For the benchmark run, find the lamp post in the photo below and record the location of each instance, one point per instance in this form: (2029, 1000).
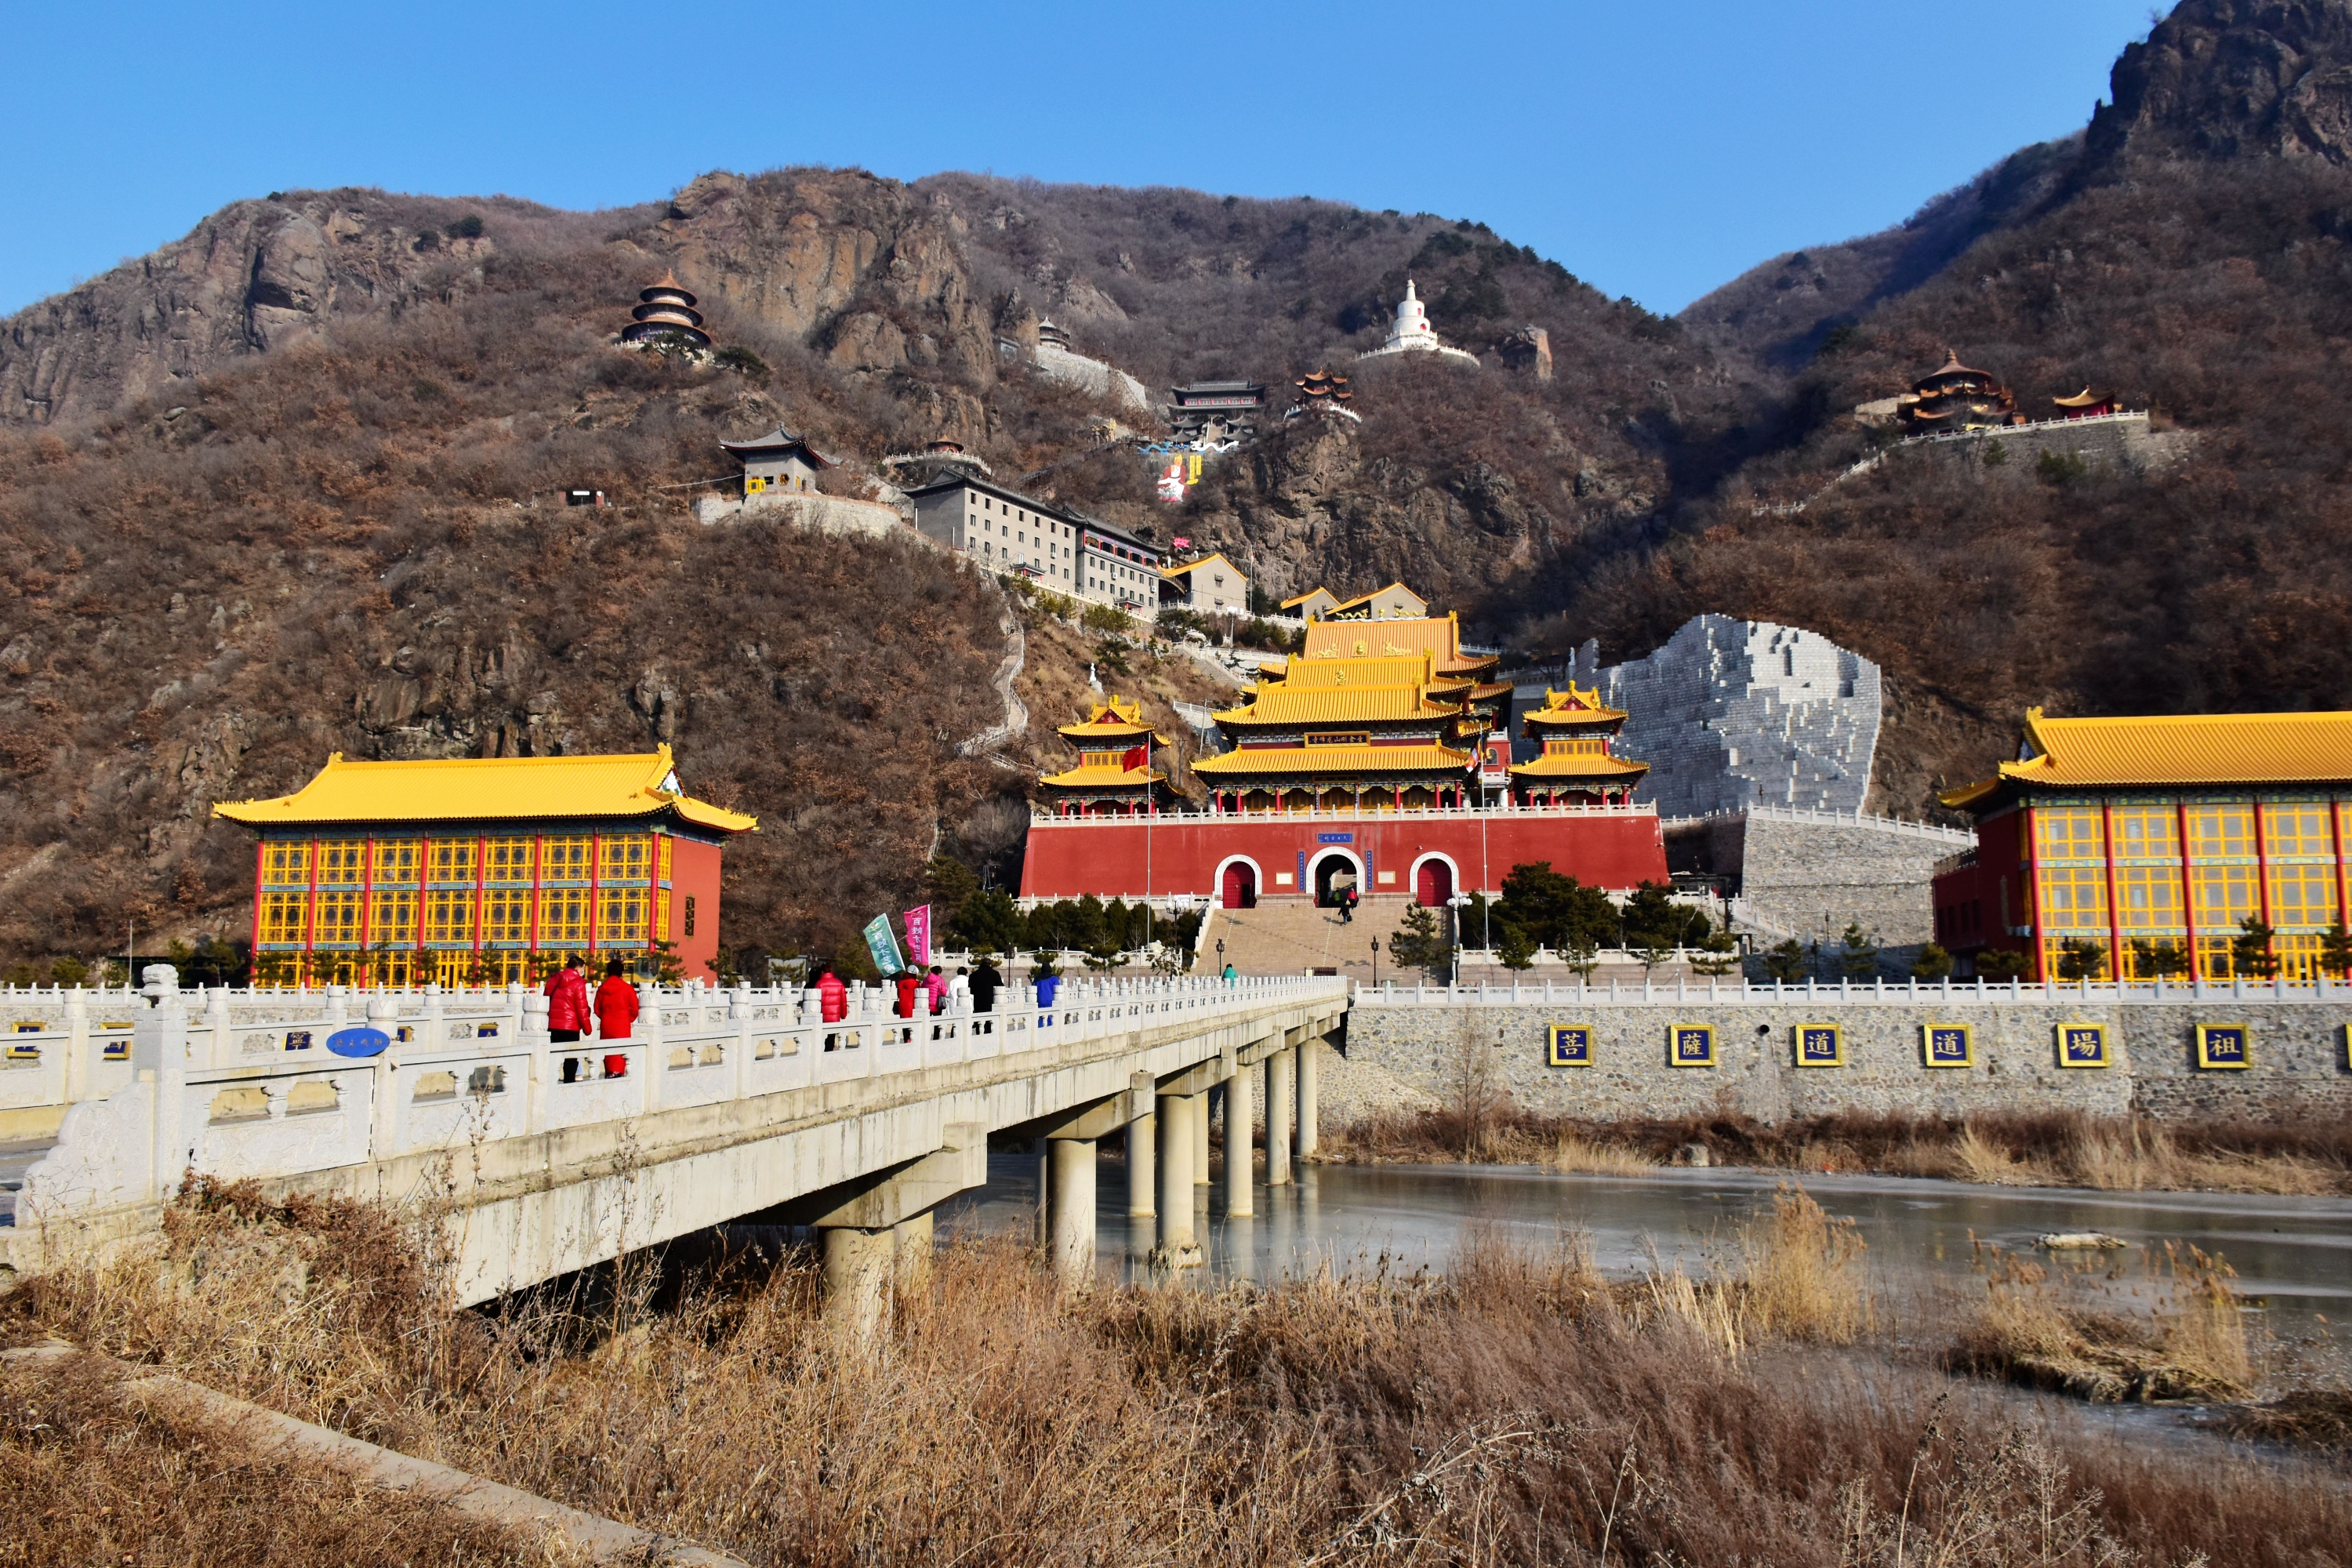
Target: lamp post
(1220, 958)
(1376, 964)
(1457, 903)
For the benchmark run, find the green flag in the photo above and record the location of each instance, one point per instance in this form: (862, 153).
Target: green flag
(882, 943)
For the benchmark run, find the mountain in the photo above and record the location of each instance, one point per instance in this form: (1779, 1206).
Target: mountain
(289, 485)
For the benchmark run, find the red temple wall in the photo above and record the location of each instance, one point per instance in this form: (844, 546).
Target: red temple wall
(1132, 857)
(694, 874)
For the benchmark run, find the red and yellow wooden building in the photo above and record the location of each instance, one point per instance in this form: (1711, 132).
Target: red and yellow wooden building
(2156, 841)
(470, 871)
(1114, 776)
(1576, 766)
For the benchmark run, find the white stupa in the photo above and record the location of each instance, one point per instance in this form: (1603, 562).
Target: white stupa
(1413, 334)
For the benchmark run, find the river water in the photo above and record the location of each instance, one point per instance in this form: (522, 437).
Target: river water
(2291, 1255)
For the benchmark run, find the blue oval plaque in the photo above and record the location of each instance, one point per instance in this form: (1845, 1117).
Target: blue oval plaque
(358, 1042)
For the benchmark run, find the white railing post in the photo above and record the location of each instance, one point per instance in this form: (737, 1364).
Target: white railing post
(385, 1130)
(159, 1056)
(540, 1114)
(656, 1047)
(76, 1084)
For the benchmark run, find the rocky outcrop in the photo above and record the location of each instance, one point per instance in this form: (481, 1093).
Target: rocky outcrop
(2229, 79)
(256, 276)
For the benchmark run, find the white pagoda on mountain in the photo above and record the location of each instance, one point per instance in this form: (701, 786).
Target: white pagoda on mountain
(1413, 334)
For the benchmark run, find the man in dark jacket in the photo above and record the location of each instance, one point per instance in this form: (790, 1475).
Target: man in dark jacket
(985, 982)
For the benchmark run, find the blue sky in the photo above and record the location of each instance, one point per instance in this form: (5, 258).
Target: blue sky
(1655, 149)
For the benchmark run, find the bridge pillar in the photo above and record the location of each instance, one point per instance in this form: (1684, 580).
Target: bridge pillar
(1140, 1154)
(1178, 1247)
(911, 1241)
(1307, 1072)
(1070, 1208)
(1201, 1139)
(858, 1267)
(1237, 1145)
(1279, 1085)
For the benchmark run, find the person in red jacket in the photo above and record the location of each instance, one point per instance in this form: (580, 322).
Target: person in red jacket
(616, 1014)
(567, 1001)
(832, 996)
(906, 993)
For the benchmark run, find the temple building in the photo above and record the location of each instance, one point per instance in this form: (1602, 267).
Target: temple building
(486, 871)
(1212, 585)
(1320, 391)
(1575, 767)
(1114, 776)
(1411, 334)
(1379, 718)
(2084, 405)
(1215, 410)
(662, 309)
(777, 462)
(2145, 847)
(1954, 397)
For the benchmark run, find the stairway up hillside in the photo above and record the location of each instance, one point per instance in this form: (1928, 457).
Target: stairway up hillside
(1293, 936)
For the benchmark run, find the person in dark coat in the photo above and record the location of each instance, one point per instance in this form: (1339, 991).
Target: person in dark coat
(985, 982)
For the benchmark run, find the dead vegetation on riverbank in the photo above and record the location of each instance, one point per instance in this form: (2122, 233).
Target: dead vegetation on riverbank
(1519, 1409)
(2057, 1150)
(2192, 1345)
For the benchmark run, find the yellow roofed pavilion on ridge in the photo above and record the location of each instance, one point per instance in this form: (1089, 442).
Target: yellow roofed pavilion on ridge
(1573, 706)
(1116, 718)
(471, 789)
(2181, 751)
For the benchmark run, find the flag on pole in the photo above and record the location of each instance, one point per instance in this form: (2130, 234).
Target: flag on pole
(882, 943)
(1135, 757)
(1179, 542)
(919, 935)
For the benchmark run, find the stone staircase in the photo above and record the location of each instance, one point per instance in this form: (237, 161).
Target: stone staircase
(1292, 936)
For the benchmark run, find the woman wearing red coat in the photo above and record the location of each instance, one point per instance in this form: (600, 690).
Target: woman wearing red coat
(616, 1014)
(567, 1001)
(832, 996)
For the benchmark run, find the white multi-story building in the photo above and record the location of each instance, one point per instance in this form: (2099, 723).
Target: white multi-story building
(1052, 546)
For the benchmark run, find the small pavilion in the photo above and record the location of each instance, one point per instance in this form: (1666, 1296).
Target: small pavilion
(1956, 397)
(777, 461)
(1575, 767)
(1114, 776)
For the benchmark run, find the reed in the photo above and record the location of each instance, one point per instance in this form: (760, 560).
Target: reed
(1514, 1409)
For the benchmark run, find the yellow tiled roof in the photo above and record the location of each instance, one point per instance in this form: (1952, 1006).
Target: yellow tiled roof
(1440, 636)
(1572, 707)
(1105, 778)
(1579, 766)
(1219, 558)
(475, 789)
(1310, 594)
(1336, 760)
(2194, 749)
(1347, 704)
(1113, 719)
(1402, 669)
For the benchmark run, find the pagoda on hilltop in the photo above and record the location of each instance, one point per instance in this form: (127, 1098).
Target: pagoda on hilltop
(1373, 716)
(1955, 397)
(1320, 391)
(2085, 405)
(1114, 776)
(1575, 767)
(665, 308)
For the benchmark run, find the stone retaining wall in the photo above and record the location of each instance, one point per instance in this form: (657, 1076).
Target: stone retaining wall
(2298, 1057)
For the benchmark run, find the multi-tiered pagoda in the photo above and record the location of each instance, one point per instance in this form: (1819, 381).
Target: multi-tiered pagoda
(1114, 776)
(1575, 767)
(1380, 716)
(1955, 397)
(1320, 391)
(665, 308)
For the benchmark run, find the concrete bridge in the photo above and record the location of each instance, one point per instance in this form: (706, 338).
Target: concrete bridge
(541, 1157)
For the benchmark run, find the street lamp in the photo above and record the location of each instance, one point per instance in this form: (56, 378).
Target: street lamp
(1376, 964)
(1457, 903)
(1220, 958)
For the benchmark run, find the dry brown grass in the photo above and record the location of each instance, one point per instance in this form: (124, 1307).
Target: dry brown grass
(91, 1474)
(1794, 1276)
(2115, 1153)
(2193, 1346)
(1593, 1157)
(1514, 1410)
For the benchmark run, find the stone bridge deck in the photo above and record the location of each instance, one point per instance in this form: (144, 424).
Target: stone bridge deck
(545, 1157)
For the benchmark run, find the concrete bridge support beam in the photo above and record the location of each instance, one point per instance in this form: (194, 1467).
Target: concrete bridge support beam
(1237, 1145)
(911, 1244)
(1141, 1151)
(857, 1269)
(1306, 1129)
(1070, 1208)
(1201, 1139)
(1279, 1085)
(1178, 1246)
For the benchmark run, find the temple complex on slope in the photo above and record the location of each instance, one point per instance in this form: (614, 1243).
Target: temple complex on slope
(1379, 756)
(1114, 776)
(1576, 767)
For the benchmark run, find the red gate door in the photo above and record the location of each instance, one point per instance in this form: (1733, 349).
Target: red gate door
(1240, 888)
(1435, 883)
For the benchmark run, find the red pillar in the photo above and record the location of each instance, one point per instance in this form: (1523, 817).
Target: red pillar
(2115, 905)
(2188, 894)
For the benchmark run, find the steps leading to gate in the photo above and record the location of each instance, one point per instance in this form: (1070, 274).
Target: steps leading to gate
(1290, 936)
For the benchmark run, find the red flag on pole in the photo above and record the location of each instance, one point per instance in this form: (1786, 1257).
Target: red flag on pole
(1135, 757)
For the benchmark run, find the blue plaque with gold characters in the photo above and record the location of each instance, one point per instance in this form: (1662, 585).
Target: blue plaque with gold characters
(1946, 1046)
(1567, 1046)
(1820, 1045)
(2083, 1045)
(1690, 1045)
(2224, 1046)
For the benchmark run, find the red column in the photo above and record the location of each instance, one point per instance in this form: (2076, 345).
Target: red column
(2115, 905)
(2031, 898)
(367, 909)
(2262, 868)
(260, 880)
(2188, 894)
